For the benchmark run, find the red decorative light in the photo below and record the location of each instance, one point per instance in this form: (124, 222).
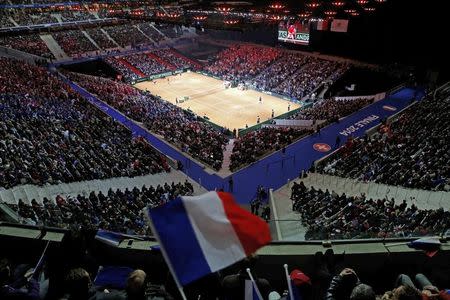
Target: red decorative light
(224, 9)
(369, 9)
(350, 11)
(355, 14)
(200, 18)
(313, 4)
(276, 18)
(305, 14)
(276, 6)
(362, 2)
(380, 1)
(330, 13)
(231, 22)
(338, 3)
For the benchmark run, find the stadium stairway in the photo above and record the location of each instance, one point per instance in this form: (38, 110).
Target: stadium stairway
(54, 47)
(13, 21)
(131, 67)
(110, 38)
(290, 224)
(91, 39)
(225, 169)
(196, 64)
(161, 61)
(159, 31)
(29, 192)
(144, 34)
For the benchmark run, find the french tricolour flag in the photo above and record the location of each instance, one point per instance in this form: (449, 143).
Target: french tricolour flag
(250, 291)
(203, 234)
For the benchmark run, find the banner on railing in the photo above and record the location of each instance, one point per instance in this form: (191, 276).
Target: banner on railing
(346, 98)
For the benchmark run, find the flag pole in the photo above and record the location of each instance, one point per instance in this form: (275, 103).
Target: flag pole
(288, 279)
(166, 257)
(39, 263)
(254, 284)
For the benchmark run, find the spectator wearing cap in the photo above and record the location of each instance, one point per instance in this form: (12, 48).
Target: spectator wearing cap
(299, 278)
(302, 283)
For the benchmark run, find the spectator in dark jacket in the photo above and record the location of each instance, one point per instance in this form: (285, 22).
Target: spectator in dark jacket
(24, 288)
(234, 285)
(346, 286)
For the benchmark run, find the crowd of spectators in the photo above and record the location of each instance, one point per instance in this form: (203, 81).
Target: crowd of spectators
(251, 146)
(85, 276)
(175, 125)
(331, 110)
(177, 60)
(289, 74)
(310, 76)
(37, 16)
(171, 31)
(328, 215)
(25, 17)
(412, 151)
(242, 62)
(118, 211)
(100, 38)
(30, 43)
(127, 35)
(149, 30)
(4, 20)
(71, 16)
(282, 69)
(147, 65)
(48, 134)
(73, 42)
(122, 69)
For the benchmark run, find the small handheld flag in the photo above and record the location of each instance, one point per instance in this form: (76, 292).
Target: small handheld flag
(430, 245)
(255, 293)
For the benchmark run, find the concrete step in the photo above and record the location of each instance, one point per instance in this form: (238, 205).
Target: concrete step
(109, 37)
(54, 47)
(29, 192)
(91, 39)
(149, 38)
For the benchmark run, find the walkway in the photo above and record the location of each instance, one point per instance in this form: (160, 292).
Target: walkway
(225, 169)
(54, 47)
(29, 192)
